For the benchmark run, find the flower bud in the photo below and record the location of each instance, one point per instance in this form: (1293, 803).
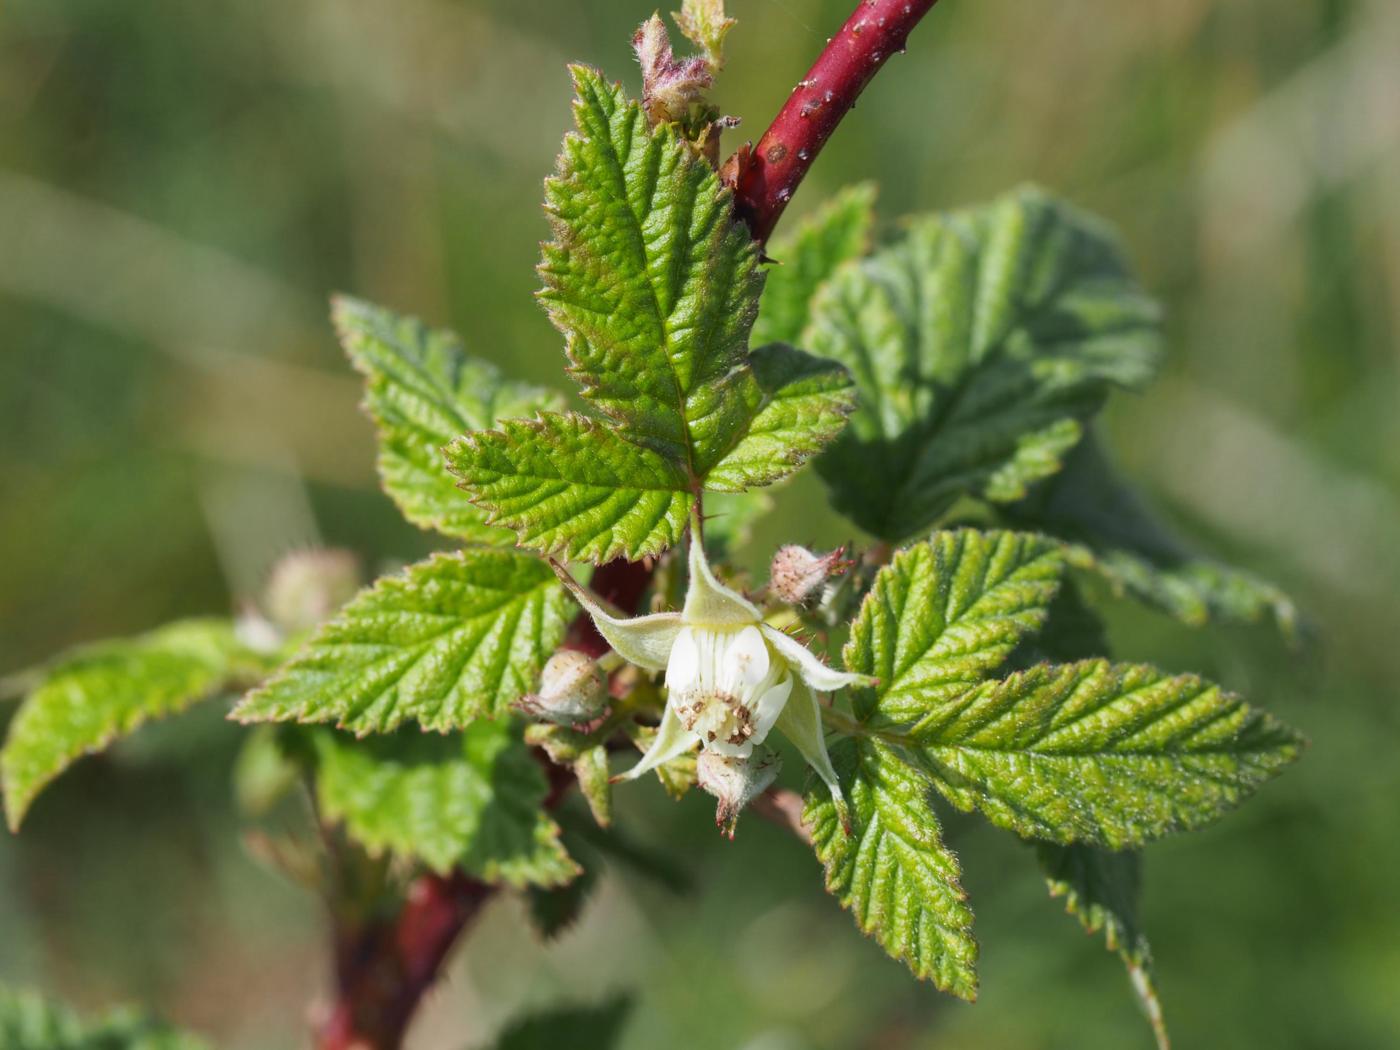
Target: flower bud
(735, 782)
(573, 689)
(306, 587)
(797, 574)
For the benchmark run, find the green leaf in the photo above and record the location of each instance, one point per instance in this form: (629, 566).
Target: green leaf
(944, 614)
(1110, 531)
(573, 487)
(423, 390)
(892, 871)
(450, 640)
(979, 343)
(652, 280)
(28, 1022)
(469, 800)
(805, 404)
(1101, 889)
(577, 1027)
(1113, 755)
(96, 694)
(835, 233)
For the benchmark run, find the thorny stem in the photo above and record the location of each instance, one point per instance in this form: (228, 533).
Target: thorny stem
(765, 178)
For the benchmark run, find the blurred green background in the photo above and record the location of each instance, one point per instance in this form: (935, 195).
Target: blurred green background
(181, 186)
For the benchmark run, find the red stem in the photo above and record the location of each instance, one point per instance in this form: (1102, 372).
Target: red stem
(765, 178)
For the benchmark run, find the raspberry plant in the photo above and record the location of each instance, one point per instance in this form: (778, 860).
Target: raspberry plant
(941, 380)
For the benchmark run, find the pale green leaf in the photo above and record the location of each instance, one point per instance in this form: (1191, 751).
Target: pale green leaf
(450, 640)
(423, 390)
(573, 487)
(469, 800)
(805, 404)
(892, 871)
(835, 233)
(1101, 888)
(1113, 755)
(94, 695)
(1110, 531)
(28, 1022)
(652, 280)
(979, 343)
(946, 613)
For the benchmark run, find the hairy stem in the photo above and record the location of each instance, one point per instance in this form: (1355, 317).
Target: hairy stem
(765, 178)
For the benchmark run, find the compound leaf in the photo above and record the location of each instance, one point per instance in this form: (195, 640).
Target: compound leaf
(1112, 755)
(423, 390)
(98, 693)
(892, 871)
(450, 640)
(945, 613)
(835, 233)
(469, 800)
(978, 343)
(652, 280)
(571, 486)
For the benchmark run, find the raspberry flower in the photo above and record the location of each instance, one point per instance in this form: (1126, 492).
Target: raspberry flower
(730, 677)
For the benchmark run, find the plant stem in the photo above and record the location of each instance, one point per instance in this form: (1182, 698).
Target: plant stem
(765, 178)
(384, 966)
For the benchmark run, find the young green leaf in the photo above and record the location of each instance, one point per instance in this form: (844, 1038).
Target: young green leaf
(28, 1022)
(469, 800)
(805, 404)
(1101, 889)
(450, 640)
(651, 279)
(979, 343)
(423, 390)
(1109, 530)
(571, 486)
(892, 871)
(946, 613)
(834, 234)
(1112, 755)
(98, 693)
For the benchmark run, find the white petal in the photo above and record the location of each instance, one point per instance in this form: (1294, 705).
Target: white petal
(815, 673)
(801, 722)
(672, 739)
(770, 706)
(745, 661)
(644, 640)
(683, 665)
(709, 602)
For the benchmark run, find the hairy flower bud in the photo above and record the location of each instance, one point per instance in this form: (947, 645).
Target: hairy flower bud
(670, 86)
(797, 574)
(735, 782)
(573, 689)
(306, 587)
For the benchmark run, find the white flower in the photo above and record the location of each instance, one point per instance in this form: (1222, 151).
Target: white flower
(730, 677)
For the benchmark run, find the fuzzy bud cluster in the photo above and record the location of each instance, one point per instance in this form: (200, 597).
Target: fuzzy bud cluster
(306, 587)
(573, 690)
(796, 574)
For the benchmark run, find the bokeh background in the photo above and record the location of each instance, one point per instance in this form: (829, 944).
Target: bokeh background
(181, 186)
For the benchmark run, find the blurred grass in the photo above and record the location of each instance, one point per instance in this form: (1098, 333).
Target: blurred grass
(182, 185)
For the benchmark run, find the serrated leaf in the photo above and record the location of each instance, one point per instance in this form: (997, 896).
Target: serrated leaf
(1112, 755)
(450, 640)
(1110, 531)
(96, 694)
(979, 343)
(423, 390)
(28, 1022)
(573, 487)
(945, 613)
(1101, 888)
(893, 872)
(805, 404)
(651, 279)
(835, 233)
(469, 800)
